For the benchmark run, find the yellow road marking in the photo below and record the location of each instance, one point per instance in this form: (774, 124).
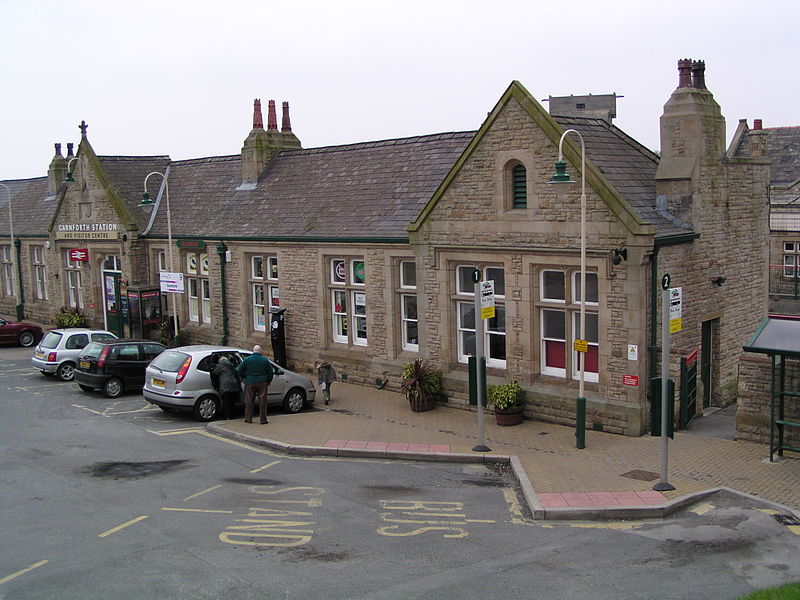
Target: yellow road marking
(769, 511)
(795, 529)
(177, 431)
(23, 571)
(123, 526)
(143, 409)
(631, 525)
(702, 509)
(211, 489)
(274, 462)
(91, 410)
(200, 510)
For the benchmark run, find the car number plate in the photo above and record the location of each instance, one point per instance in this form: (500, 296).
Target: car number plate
(84, 364)
(40, 355)
(159, 383)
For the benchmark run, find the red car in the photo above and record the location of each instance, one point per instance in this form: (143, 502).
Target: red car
(24, 334)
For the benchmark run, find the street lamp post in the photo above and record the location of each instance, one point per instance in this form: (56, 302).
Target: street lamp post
(146, 201)
(561, 176)
(12, 249)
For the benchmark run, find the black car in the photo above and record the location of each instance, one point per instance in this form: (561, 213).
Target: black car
(115, 366)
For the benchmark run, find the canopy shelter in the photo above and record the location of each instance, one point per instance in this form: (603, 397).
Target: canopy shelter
(780, 339)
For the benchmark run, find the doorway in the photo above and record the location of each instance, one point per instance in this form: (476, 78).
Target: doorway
(707, 359)
(112, 299)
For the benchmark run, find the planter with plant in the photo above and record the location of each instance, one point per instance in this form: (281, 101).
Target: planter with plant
(68, 316)
(507, 401)
(422, 384)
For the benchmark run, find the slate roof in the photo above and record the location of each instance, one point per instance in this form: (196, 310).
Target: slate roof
(363, 191)
(783, 147)
(628, 165)
(31, 207)
(127, 175)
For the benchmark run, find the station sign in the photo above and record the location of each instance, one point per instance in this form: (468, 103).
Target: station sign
(171, 283)
(78, 254)
(487, 299)
(675, 309)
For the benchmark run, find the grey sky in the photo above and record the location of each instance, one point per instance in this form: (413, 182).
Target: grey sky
(179, 77)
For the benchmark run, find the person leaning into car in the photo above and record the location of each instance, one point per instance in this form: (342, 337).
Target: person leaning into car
(226, 381)
(256, 372)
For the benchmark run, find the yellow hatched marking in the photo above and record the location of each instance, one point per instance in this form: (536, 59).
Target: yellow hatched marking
(177, 431)
(200, 510)
(123, 526)
(274, 462)
(795, 529)
(211, 489)
(769, 511)
(91, 410)
(702, 509)
(8, 578)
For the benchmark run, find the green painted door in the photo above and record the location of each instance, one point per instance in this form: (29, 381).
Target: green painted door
(112, 305)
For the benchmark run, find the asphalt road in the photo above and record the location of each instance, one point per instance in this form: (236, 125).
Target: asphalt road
(116, 499)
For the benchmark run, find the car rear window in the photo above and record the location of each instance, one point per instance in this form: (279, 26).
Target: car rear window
(51, 340)
(102, 337)
(169, 361)
(92, 350)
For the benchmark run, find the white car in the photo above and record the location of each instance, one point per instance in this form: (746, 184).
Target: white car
(57, 353)
(180, 379)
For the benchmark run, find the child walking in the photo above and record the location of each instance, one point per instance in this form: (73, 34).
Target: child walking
(326, 375)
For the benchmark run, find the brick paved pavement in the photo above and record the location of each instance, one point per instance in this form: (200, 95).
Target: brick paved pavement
(546, 453)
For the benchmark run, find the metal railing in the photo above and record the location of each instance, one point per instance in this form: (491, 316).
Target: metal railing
(784, 282)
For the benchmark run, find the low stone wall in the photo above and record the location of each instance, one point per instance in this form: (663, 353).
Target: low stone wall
(753, 411)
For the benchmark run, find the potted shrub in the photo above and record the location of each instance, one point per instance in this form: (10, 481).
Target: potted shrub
(422, 384)
(507, 401)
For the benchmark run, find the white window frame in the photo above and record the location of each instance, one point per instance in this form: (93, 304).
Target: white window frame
(74, 282)
(576, 283)
(40, 273)
(259, 309)
(404, 283)
(161, 261)
(545, 369)
(408, 322)
(791, 259)
(8, 270)
(193, 298)
(349, 323)
(463, 273)
(543, 286)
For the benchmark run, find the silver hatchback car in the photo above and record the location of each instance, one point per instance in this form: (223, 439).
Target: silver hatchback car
(58, 351)
(180, 379)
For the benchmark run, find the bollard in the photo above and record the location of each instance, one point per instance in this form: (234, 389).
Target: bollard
(580, 423)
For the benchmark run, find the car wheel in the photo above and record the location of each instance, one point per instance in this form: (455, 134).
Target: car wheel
(206, 408)
(294, 400)
(112, 387)
(26, 339)
(85, 388)
(66, 371)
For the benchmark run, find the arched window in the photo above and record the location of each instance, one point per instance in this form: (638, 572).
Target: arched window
(519, 186)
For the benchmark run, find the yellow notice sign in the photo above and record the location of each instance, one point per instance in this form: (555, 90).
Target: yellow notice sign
(581, 346)
(487, 312)
(675, 325)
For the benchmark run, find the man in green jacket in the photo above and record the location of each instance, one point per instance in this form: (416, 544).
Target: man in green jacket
(256, 372)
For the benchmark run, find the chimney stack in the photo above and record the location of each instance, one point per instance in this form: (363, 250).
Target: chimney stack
(685, 73)
(699, 75)
(286, 124)
(272, 119)
(70, 153)
(258, 120)
(56, 172)
(758, 125)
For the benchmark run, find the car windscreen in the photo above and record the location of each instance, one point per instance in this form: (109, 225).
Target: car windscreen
(92, 350)
(169, 361)
(51, 340)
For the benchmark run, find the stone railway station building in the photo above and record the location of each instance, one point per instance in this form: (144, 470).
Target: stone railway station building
(370, 249)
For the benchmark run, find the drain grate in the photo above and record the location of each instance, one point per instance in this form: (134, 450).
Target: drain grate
(641, 475)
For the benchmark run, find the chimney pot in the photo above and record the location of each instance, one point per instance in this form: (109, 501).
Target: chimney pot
(286, 124)
(258, 120)
(685, 73)
(699, 75)
(70, 151)
(58, 149)
(757, 125)
(272, 119)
